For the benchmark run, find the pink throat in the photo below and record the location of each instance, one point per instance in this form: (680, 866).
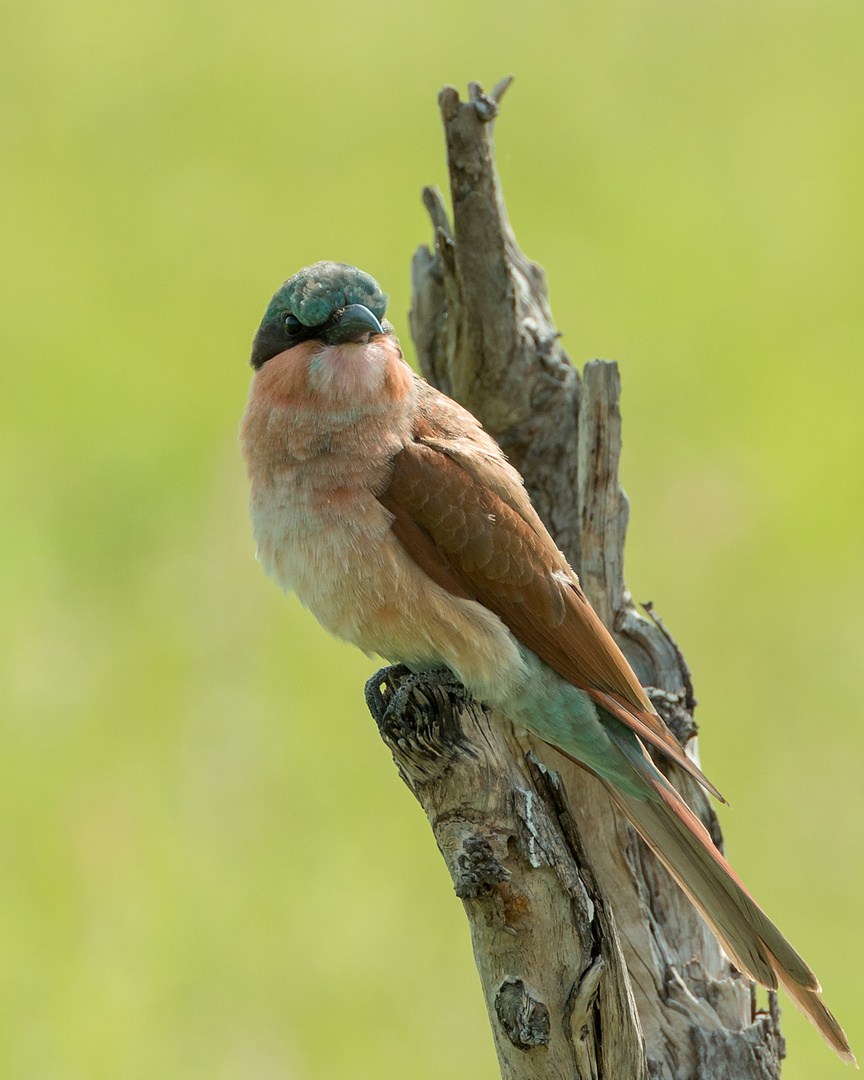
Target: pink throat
(351, 372)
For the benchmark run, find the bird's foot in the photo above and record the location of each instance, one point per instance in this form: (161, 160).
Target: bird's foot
(376, 701)
(417, 712)
(407, 691)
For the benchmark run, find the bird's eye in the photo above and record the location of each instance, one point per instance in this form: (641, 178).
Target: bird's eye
(293, 324)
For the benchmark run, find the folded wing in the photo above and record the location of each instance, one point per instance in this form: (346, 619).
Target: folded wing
(475, 542)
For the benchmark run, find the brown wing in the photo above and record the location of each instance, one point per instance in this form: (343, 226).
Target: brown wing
(444, 425)
(473, 543)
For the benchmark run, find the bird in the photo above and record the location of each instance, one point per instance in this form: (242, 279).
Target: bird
(400, 524)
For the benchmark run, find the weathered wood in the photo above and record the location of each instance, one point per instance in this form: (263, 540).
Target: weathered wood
(544, 939)
(484, 334)
(482, 325)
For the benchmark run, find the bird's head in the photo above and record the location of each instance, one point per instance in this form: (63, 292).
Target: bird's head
(330, 302)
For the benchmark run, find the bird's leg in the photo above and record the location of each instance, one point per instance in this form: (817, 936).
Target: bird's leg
(419, 711)
(375, 699)
(390, 706)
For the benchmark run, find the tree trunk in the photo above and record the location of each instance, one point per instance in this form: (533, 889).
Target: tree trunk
(560, 1000)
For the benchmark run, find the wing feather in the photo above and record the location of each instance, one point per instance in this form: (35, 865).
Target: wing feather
(475, 543)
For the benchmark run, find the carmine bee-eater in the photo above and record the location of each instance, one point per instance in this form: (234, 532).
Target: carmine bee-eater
(400, 524)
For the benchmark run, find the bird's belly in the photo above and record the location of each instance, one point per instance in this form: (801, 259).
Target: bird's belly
(335, 549)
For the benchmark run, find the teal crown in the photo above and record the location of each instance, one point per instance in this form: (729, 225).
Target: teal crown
(314, 293)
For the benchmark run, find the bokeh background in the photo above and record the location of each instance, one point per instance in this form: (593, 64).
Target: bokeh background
(208, 867)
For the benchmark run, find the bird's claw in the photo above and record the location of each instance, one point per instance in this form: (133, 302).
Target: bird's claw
(403, 684)
(419, 715)
(375, 700)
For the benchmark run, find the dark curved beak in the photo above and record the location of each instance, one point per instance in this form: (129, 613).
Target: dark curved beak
(355, 323)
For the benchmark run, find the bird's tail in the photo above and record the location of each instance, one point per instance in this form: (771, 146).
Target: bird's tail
(754, 944)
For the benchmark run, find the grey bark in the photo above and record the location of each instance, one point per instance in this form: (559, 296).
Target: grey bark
(484, 334)
(545, 943)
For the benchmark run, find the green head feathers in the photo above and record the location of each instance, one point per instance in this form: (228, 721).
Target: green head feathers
(310, 301)
(316, 292)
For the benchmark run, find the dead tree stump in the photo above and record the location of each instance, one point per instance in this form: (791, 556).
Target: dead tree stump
(593, 961)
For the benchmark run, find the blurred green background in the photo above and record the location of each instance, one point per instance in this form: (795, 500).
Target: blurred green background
(208, 866)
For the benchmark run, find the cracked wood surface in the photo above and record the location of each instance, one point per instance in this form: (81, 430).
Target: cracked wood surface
(548, 956)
